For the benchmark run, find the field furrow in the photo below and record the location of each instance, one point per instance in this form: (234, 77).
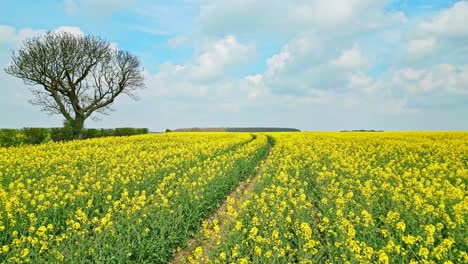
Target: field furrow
(120, 199)
(359, 198)
(238, 198)
(215, 227)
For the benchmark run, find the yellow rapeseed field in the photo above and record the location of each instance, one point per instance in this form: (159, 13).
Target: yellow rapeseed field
(391, 197)
(349, 198)
(116, 199)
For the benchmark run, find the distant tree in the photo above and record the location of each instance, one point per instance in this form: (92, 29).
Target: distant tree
(79, 75)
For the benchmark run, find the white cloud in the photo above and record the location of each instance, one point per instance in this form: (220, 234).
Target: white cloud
(319, 59)
(318, 96)
(440, 38)
(451, 22)
(204, 74)
(324, 12)
(401, 88)
(308, 63)
(289, 18)
(409, 74)
(7, 34)
(68, 29)
(336, 12)
(172, 80)
(327, 58)
(11, 36)
(253, 86)
(352, 59)
(14, 37)
(361, 83)
(296, 55)
(418, 48)
(442, 78)
(218, 56)
(278, 62)
(396, 106)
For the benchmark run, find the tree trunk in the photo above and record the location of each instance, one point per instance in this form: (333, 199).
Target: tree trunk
(77, 126)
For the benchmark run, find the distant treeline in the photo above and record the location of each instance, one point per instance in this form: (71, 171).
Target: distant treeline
(234, 129)
(362, 130)
(38, 135)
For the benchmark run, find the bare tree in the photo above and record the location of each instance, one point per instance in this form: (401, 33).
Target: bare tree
(78, 75)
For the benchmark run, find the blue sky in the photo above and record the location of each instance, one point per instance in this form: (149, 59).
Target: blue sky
(308, 64)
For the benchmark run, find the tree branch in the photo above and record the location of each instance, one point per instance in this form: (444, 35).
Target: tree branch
(79, 75)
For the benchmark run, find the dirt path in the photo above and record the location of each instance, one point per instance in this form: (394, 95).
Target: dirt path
(241, 194)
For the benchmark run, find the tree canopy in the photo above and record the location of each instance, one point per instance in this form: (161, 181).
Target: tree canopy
(76, 75)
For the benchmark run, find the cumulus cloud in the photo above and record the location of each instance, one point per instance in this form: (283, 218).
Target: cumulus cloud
(292, 17)
(172, 80)
(352, 59)
(418, 48)
(337, 12)
(329, 59)
(72, 30)
(325, 59)
(278, 62)
(396, 106)
(442, 78)
(450, 23)
(218, 56)
(253, 86)
(204, 73)
(407, 89)
(362, 83)
(12, 36)
(442, 37)
(321, 53)
(308, 63)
